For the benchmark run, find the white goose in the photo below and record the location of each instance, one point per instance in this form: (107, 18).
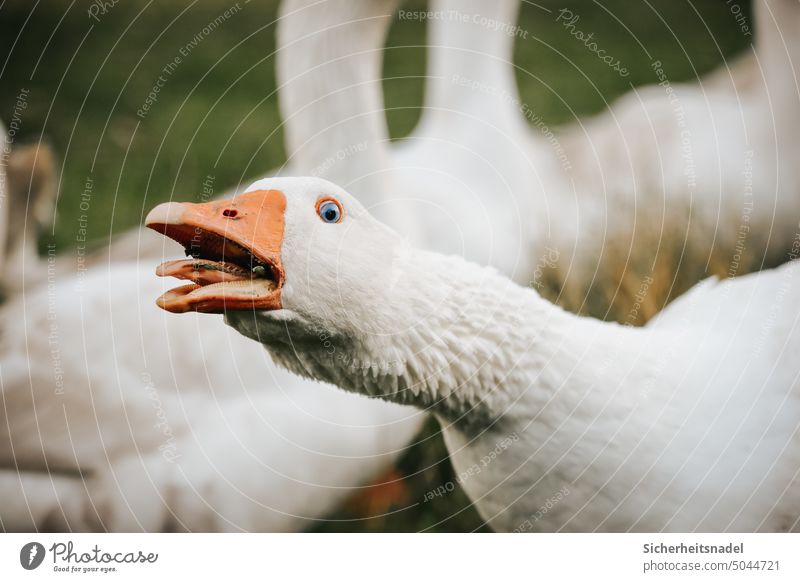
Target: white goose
(104, 427)
(501, 259)
(659, 155)
(192, 431)
(720, 157)
(553, 421)
(474, 175)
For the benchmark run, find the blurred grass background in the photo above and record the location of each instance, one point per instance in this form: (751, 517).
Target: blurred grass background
(217, 115)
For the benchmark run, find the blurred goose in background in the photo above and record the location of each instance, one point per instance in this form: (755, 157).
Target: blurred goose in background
(27, 194)
(3, 188)
(329, 74)
(473, 173)
(713, 164)
(115, 417)
(717, 157)
(4, 218)
(138, 423)
(713, 154)
(27, 197)
(687, 424)
(30, 179)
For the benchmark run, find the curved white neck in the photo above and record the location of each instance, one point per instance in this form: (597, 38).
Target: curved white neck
(470, 59)
(329, 76)
(443, 335)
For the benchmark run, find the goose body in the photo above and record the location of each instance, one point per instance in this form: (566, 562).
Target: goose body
(713, 154)
(690, 424)
(195, 431)
(552, 421)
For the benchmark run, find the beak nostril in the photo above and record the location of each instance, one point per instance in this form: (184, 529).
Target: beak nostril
(230, 213)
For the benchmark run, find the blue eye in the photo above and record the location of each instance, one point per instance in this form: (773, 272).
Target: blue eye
(329, 210)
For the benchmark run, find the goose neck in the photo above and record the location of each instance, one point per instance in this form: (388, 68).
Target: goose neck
(470, 58)
(447, 336)
(461, 341)
(329, 74)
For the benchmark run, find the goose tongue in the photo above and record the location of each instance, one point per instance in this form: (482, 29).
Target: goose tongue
(203, 272)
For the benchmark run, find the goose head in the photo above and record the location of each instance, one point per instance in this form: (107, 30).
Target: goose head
(286, 249)
(300, 266)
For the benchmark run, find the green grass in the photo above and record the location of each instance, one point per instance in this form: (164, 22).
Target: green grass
(217, 115)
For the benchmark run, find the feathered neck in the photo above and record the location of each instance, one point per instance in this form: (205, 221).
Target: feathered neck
(470, 67)
(329, 74)
(448, 336)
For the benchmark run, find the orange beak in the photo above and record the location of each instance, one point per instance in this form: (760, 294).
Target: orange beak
(235, 247)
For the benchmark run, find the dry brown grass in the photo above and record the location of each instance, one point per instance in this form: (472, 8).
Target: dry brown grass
(638, 274)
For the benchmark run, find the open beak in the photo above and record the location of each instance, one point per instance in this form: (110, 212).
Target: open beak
(235, 250)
